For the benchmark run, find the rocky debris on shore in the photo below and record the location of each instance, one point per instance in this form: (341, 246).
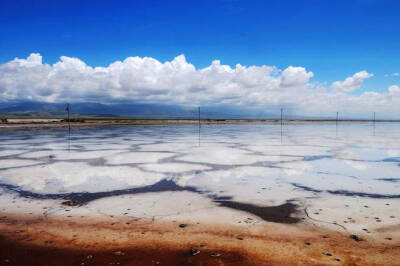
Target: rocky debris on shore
(194, 252)
(356, 238)
(69, 203)
(118, 253)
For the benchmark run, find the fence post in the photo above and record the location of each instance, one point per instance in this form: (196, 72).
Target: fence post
(69, 124)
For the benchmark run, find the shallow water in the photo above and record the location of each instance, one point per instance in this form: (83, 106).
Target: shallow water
(308, 172)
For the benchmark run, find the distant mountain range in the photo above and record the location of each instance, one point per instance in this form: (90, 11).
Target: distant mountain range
(124, 110)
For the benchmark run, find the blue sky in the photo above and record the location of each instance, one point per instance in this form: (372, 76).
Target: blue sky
(333, 39)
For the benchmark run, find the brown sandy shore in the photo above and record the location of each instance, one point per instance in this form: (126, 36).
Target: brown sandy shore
(121, 241)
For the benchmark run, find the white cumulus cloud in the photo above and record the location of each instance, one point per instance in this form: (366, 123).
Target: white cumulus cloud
(352, 83)
(147, 80)
(143, 79)
(394, 90)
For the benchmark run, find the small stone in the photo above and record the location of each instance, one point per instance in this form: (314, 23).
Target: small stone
(194, 252)
(337, 259)
(239, 237)
(308, 243)
(215, 255)
(324, 237)
(388, 238)
(182, 225)
(89, 257)
(119, 253)
(69, 203)
(327, 254)
(356, 238)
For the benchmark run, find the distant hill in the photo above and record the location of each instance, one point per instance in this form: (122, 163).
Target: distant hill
(123, 110)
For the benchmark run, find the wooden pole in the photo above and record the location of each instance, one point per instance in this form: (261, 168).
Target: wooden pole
(337, 117)
(199, 125)
(281, 116)
(199, 116)
(69, 124)
(373, 125)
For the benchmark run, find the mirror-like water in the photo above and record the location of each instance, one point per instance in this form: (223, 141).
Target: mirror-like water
(298, 172)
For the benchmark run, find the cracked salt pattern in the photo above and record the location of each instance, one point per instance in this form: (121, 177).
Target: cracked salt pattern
(136, 157)
(260, 164)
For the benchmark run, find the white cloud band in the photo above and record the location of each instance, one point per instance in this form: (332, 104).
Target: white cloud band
(178, 82)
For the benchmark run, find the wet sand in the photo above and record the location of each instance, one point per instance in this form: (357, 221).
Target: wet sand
(121, 241)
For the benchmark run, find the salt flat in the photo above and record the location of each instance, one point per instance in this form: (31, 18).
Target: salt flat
(341, 178)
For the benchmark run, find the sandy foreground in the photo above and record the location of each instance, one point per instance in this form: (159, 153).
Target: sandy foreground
(81, 240)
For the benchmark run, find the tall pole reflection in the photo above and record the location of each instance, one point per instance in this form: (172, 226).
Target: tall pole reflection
(373, 126)
(337, 120)
(69, 139)
(199, 124)
(281, 124)
(69, 128)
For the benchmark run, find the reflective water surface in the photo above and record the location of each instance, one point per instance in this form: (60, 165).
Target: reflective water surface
(340, 176)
